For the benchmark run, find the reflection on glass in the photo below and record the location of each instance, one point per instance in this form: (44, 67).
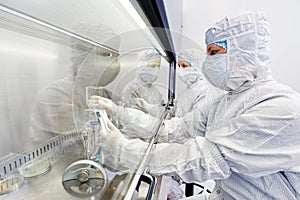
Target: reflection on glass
(148, 67)
(93, 91)
(90, 134)
(60, 106)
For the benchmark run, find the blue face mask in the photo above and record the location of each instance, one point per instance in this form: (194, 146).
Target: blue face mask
(188, 75)
(215, 70)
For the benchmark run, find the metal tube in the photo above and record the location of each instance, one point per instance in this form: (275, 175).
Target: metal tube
(134, 179)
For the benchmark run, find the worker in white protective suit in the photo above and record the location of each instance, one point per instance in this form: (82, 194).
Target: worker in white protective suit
(59, 106)
(248, 139)
(195, 91)
(143, 86)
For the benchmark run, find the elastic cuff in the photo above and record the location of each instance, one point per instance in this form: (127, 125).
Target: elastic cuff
(221, 166)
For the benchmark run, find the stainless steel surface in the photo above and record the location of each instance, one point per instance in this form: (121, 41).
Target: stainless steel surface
(48, 186)
(63, 153)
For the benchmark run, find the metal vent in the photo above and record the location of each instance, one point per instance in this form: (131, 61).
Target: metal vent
(12, 165)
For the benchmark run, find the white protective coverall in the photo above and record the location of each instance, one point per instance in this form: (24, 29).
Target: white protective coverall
(248, 139)
(143, 85)
(59, 106)
(195, 93)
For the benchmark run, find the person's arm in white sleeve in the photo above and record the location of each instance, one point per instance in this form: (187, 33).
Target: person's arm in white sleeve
(196, 160)
(127, 95)
(139, 123)
(263, 139)
(191, 125)
(153, 109)
(143, 125)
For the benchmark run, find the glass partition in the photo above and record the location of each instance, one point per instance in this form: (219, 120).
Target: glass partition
(56, 57)
(51, 56)
(44, 44)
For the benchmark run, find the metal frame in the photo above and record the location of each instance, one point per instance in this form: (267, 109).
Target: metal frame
(53, 27)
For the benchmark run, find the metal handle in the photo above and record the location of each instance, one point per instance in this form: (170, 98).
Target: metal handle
(152, 181)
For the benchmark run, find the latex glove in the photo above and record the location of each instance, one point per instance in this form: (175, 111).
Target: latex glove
(153, 109)
(103, 103)
(142, 104)
(111, 141)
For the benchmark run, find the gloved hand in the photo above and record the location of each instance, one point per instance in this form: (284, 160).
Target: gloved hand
(111, 142)
(118, 152)
(153, 109)
(142, 104)
(103, 103)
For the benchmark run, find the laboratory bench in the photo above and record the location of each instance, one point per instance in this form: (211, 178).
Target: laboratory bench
(60, 152)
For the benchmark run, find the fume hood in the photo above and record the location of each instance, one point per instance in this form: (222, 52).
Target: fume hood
(44, 45)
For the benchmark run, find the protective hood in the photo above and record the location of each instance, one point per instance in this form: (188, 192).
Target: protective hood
(192, 56)
(97, 70)
(94, 66)
(148, 56)
(248, 53)
(148, 63)
(192, 74)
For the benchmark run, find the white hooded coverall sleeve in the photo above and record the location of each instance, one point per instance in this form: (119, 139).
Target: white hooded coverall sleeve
(153, 109)
(196, 157)
(133, 122)
(195, 160)
(138, 124)
(258, 153)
